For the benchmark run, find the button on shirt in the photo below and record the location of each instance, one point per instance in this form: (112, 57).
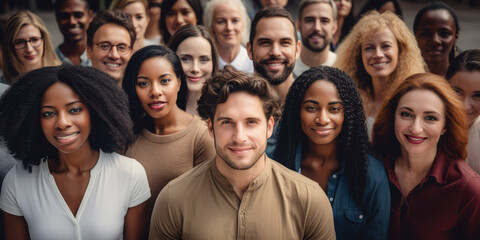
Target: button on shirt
(278, 204)
(444, 205)
(351, 221)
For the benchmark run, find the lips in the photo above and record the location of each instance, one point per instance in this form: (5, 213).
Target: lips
(240, 150)
(323, 131)
(194, 79)
(274, 65)
(157, 105)
(66, 138)
(379, 65)
(112, 65)
(30, 57)
(415, 139)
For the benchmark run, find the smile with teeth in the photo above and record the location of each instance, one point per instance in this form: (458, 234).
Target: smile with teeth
(157, 105)
(379, 64)
(415, 139)
(113, 65)
(65, 137)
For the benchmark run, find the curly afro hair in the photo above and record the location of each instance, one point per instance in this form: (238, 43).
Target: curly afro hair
(352, 142)
(111, 127)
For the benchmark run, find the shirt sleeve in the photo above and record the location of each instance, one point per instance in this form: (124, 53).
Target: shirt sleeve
(319, 222)
(140, 191)
(166, 219)
(8, 198)
(204, 146)
(469, 220)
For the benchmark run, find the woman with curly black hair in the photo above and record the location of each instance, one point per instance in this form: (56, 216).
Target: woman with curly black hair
(64, 123)
(169, 140)
(322, 134)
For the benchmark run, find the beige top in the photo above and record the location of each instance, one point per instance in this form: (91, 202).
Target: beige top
(278, 204)
(473, 150)
(166, 157)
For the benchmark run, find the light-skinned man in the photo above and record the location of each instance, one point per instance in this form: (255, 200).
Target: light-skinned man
(73, 18)
(110, 38)
(317, 23)
(241, 193)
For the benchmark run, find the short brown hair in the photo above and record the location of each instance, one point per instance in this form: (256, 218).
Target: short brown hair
(229, 80)
(455, 139)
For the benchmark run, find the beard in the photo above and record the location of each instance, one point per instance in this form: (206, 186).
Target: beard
(274, 78)
(318, 48)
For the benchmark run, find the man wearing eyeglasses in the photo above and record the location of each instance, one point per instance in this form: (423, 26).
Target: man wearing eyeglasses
(110, 38)
(73, 18)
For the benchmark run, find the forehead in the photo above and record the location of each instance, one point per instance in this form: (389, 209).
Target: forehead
(437, 17)
(382, 35)
(179, 5)
(422, 100)
(135, 7)
(112, 33)
(240, 106)
(275, 28)
(73, 6)
(59, 92)
(322, 89)
(27, 31)
(226, 9)
(195, 45)
(322, 9)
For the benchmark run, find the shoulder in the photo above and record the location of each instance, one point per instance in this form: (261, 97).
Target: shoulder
(190, 177)
(119, 163)
(376, 172)
(469, 178)
(289, 177)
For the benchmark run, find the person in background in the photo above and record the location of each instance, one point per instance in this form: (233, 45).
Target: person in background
(228, 21)
(110, 39)
(196, 49)
(70, 182)
(345, 22)
(3, 23)
(378, 53)
(381, 6)
(153, 35)
(322, 135)
(464, 76)
(169, 140)
(317, 22)
(176, 13)
(137, 11)
(27, 46)
(421, 131)
(241, 193)
(73, 18)
(436, 29)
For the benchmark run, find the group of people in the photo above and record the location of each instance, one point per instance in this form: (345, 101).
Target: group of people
(168, 120)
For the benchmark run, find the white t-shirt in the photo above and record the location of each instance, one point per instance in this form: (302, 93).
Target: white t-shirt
(241, 62)
(300, 67)
(116, 184)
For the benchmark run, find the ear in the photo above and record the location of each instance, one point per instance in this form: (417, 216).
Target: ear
(249, 50)
(299, 49)
(335, 27)
(89, 52)
(299, 25)
(90, 16)
(210, 128)
(270, 125)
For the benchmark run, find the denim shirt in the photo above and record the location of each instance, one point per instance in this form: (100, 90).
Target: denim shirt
(351, 222)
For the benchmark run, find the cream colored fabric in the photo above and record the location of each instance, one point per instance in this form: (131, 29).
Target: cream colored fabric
(473, 147)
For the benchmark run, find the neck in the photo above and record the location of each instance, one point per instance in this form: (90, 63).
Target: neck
(153, 30)
(283, 88)
(419, 164)
(70, 48)
(192, 104)
(379, 92)
(240, 179)
(82, 160)
(324, 153)
(161, 125)
(138, 44)
(229, 53)
(439, 68)
(313, 59)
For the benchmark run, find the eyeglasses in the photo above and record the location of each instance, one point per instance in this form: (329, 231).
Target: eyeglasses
(106, 47)
(22, 43)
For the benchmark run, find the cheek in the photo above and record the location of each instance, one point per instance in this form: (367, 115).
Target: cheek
(208, 68)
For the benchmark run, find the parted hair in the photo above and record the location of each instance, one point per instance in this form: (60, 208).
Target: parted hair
(139, 117)
(114, 17)
(121, 4)
(352, 142)
(13, 68)
(229, 80)
(111, 127)
(467, 61)
(270, 13)
(453, 141)
(349, 53)
(167, 6)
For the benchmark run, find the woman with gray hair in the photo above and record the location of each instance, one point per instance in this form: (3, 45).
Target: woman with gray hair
(228, 22)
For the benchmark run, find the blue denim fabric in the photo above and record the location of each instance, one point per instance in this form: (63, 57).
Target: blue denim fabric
(351, 222)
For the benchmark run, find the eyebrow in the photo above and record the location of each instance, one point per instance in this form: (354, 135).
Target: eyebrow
(315, 102)
(68, 104)
(161, 76)
(426, 112)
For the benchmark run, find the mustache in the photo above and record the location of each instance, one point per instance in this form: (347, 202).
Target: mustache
(316, 34)
(273, 58)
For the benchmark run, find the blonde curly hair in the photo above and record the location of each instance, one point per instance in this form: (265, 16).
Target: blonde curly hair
(349, 53)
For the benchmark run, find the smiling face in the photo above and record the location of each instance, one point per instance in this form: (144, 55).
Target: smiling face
(227, 25)
(157, 87)
(436, 35)
(30, 56)
(73, 19)
(273, 3)
(321, 113)
(180, 14)
(240, 131)
(195, 53)
(467, 85)
(139, 17)
(65, 119)
(380, 54)
(274, 49)
(111, 62)
(317, 26)
(419, 121)
(343, 8)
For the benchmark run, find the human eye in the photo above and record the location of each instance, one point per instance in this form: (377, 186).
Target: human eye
(459, 91)
(105, 46)
(142, 83)
(204, 59)
(236, 20)
(335, 108)
(75, 110)
(311, 108)
(368, 48)
(165, 80)
(78, 14)
(186, 12)
(386, 46)
(47, 114)
(122, 47)
(171, 13)
(264, 43)
(431, 118)
(286, 42)
(445, 34)
(252, 122)
(19, 43)
(308, 19)
(226, 122)
(185, 59)
(406, 114)
(476, 96)
(220, 21)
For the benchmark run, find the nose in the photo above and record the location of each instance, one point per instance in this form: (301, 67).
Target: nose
(63, 121)
(322, 117)
(229, 25)
(195, 68)
(239, 134)
(29, 47)
(317, 25)
(416, 126)
(180, 20)
(72, 19)
(275, 51)
(436, 38)
(378, 52)
(113, 53)
(467, 103)
(156, 90)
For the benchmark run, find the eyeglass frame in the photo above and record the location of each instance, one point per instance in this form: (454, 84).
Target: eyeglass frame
(27, 41)
(114, 45)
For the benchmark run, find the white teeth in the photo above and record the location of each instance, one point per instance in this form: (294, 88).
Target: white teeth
(274, 64)
(378, 64)
(67, 137)
(415, 139)
(112, 64)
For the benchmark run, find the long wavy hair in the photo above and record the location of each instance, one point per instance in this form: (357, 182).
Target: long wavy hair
(455, 139)
(20, 130)
(13, 68)
(352, 142)
(139, 117)
(349, 53)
